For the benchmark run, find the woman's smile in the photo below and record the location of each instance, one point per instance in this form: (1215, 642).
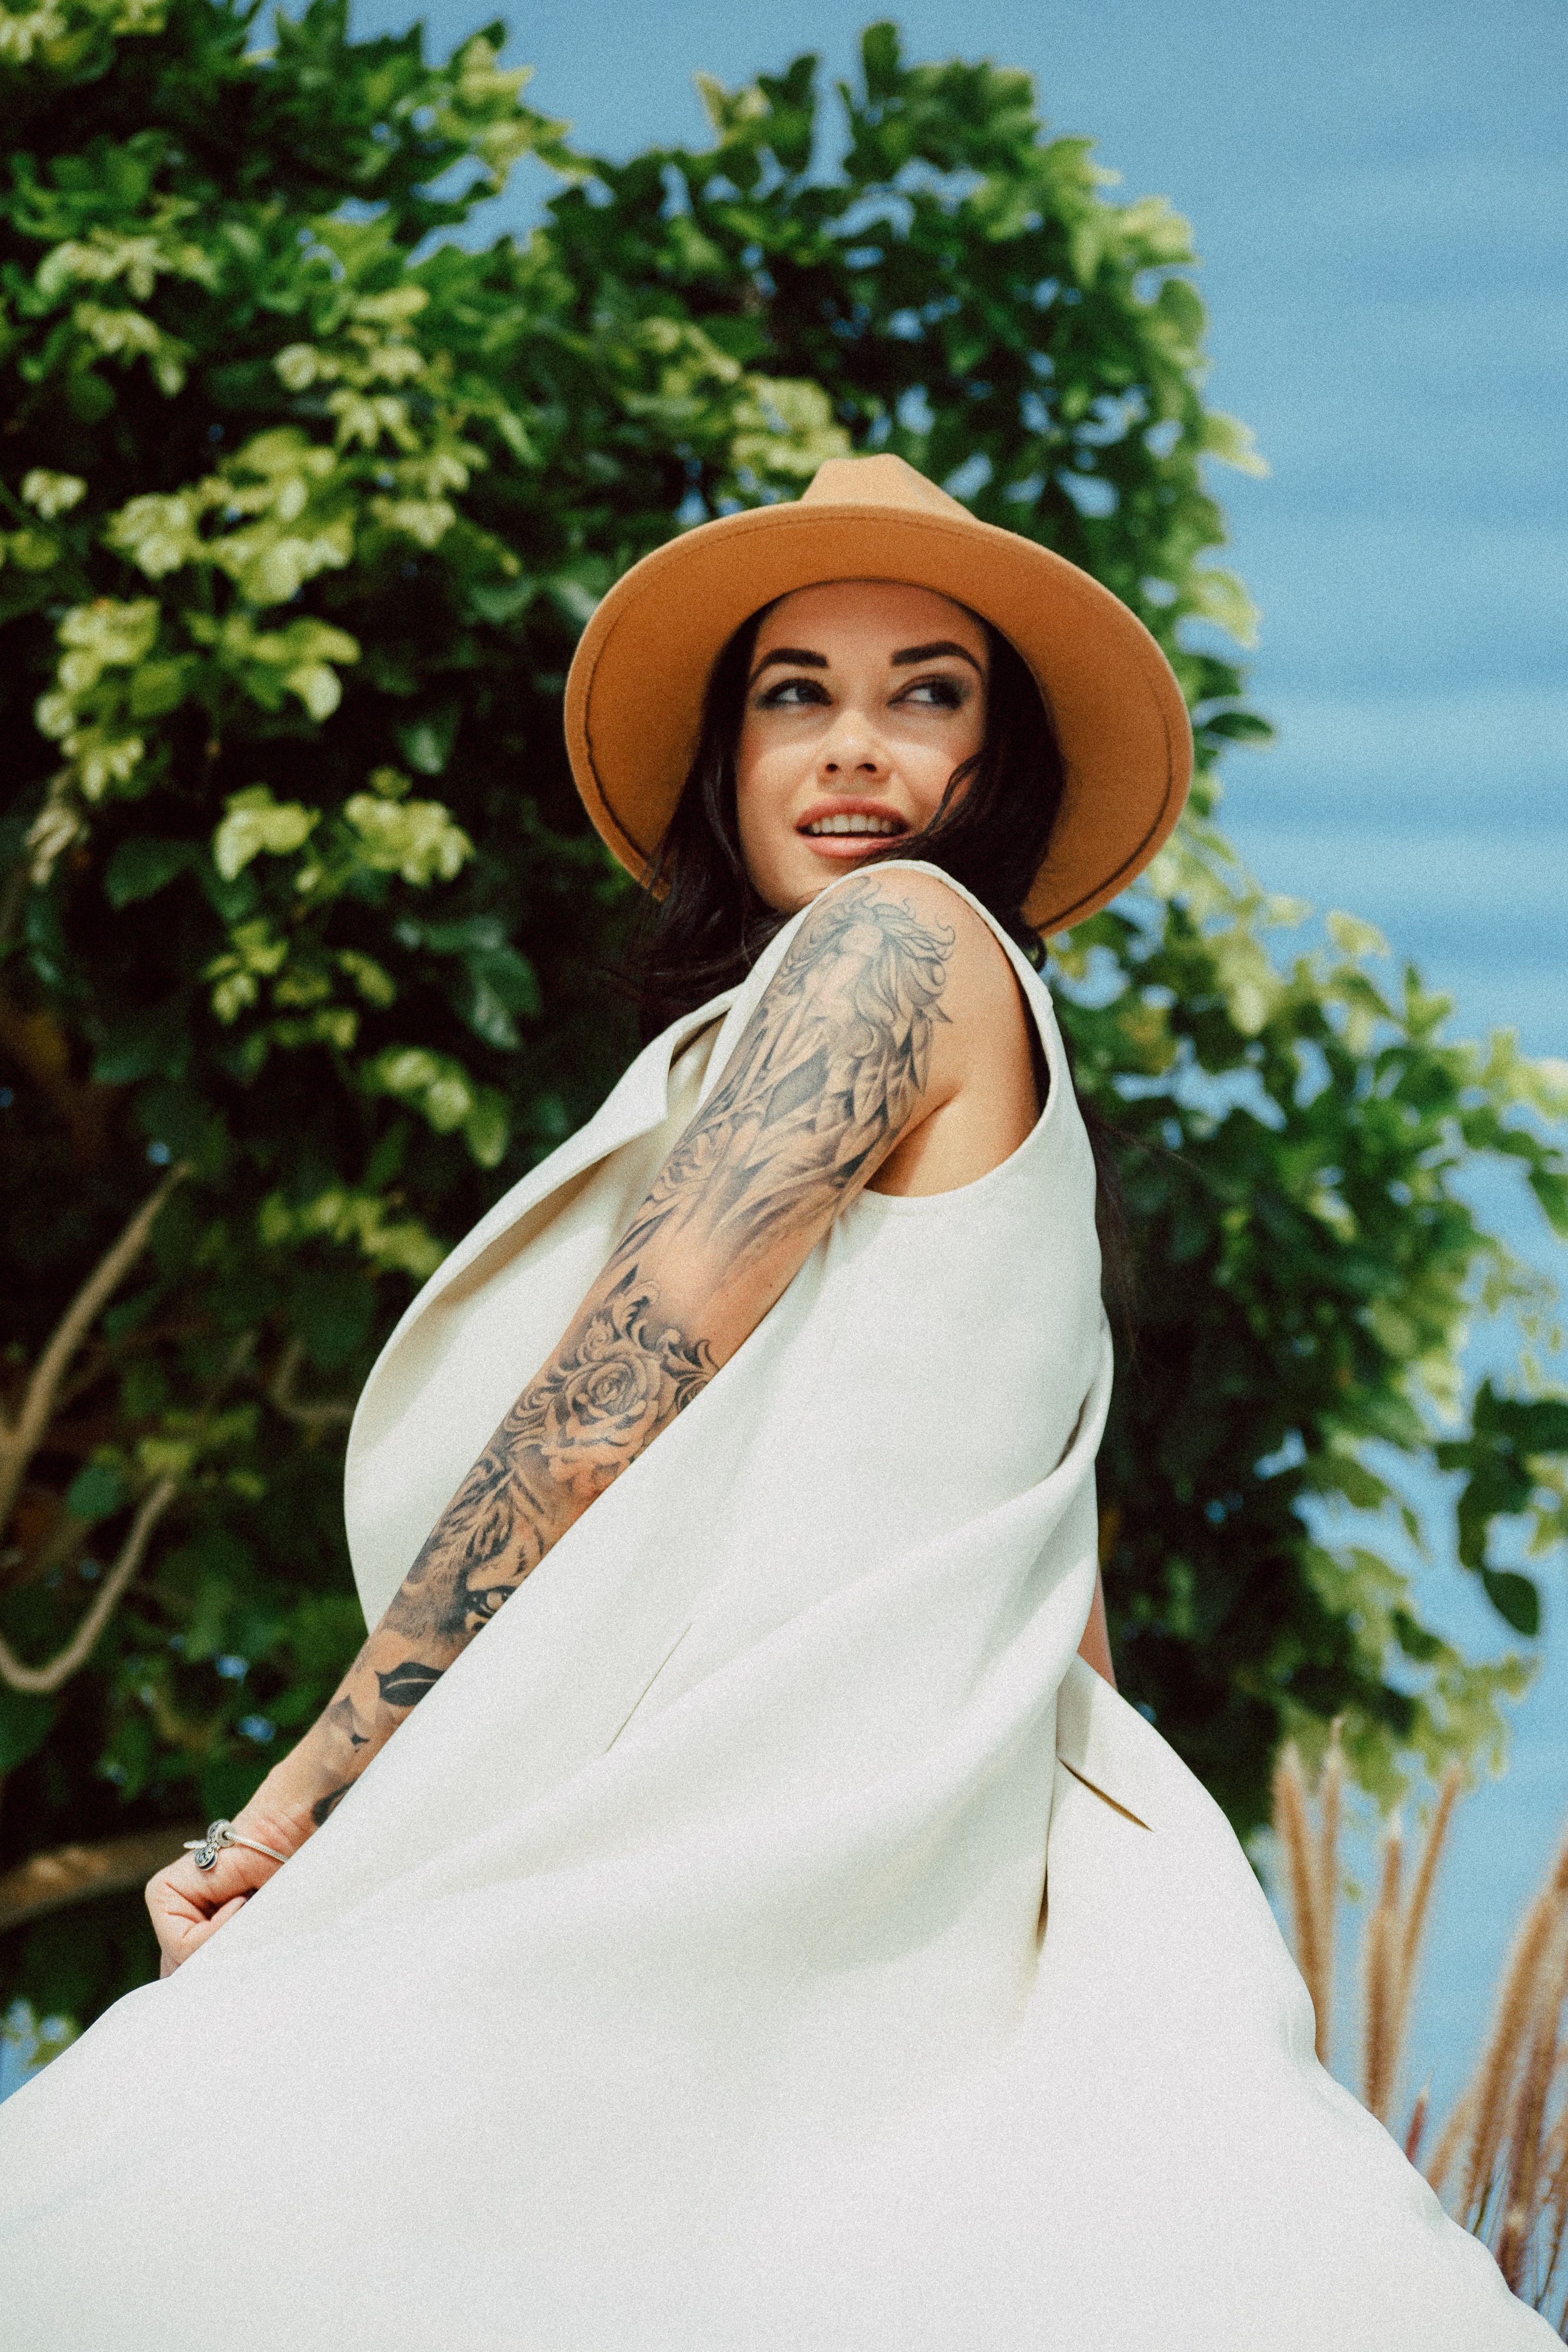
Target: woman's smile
(866, 700)
(840, 829)
(852, 821)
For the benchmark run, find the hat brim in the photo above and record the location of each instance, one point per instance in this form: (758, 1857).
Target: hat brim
(634, 697)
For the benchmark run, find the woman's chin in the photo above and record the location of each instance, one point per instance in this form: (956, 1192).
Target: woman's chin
(821, 859)
(809, 863)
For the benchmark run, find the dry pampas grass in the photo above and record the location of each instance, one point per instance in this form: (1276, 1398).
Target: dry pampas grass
(1501, 2160)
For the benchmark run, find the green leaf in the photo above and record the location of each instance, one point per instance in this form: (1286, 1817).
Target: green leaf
(158, 687)
(152, 1043)
(142, 866)
(426, 743)
(1415, 1640)
(229, 1781)
(386, 1162)
(501, 982)
(207, 1627)
(1551, 1190)
(1239, 727)
(1515, 1598)
(489, 1017)
(97, 1492)
(1353, 937)
(1529, 1425)
(1226, 438)
(501, 600)
(881, 60)
(487, 1128)
(89, 397)
(332, 1308)
(25, 1722)
(256, 823)
(1337, 1473)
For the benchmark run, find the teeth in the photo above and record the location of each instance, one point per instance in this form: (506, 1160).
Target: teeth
(854, 825)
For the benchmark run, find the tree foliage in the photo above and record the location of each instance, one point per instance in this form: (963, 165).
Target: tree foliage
(307, 953)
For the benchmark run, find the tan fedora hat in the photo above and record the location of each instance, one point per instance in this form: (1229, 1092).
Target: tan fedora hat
(633, 700)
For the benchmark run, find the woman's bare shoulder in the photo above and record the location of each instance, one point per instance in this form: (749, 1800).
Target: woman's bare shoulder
(982, 992)
(902, 932)
(899, 953)
(914, 906)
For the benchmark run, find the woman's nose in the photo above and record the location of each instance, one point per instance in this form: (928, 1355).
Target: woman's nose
(851, 749)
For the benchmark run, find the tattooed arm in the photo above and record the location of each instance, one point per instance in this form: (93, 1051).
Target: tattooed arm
(882, 1018)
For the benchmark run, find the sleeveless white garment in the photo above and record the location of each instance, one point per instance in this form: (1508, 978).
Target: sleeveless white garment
(674, 1980)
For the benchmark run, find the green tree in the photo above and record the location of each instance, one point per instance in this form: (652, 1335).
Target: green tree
(302, 516)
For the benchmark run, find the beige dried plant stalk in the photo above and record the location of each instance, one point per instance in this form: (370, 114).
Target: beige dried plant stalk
(1517, 2214)
(1495, 2080)
(1528, 2173)
(1382, 1952)
(1420, 1905)
(1416, 2130)
(1449, 2141)
(1391, 1953)
(1295, 1834)
(1507, 2135)
(1331, 1800)
(1554, 2202)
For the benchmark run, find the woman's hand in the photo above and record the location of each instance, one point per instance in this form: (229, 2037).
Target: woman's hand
(189, 1904)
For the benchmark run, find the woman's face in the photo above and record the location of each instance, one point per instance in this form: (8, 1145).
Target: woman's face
(864, 697)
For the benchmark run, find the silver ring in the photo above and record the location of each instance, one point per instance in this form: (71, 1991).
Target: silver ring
(204, 1851)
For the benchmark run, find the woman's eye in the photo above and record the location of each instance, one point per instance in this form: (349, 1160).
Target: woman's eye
(936, 693)
(792, 694)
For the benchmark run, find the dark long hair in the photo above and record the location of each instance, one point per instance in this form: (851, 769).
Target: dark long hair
(704, 927)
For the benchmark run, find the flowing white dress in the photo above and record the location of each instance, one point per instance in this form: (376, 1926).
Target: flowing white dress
(678, 1979)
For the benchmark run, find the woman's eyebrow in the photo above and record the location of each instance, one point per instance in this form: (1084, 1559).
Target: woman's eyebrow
(930, 652)
(797, 656)
(801, 658)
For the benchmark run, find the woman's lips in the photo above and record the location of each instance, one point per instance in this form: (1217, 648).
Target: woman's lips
(842, 846)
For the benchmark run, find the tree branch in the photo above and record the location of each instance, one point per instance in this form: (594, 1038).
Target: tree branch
(20, 1440)
(40, 1680)
(283, 1398)
(64, 1663)
(72, 1872)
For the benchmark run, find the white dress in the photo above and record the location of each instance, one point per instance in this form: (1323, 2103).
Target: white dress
(677, 1978)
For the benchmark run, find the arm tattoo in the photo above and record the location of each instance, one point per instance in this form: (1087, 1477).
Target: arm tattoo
(407, 1683)
(621, 1376)
(831, 1067)
(827, 1076)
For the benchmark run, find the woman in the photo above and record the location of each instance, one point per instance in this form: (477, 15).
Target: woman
(772, 1933)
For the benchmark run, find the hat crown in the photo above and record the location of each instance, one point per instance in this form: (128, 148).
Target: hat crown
(880, 481)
